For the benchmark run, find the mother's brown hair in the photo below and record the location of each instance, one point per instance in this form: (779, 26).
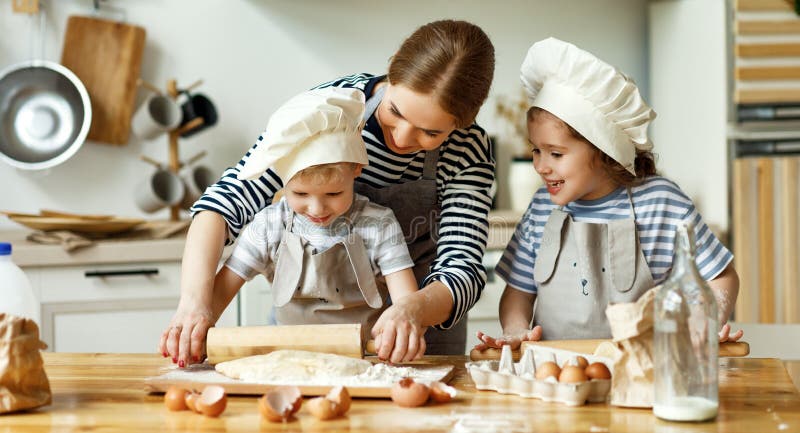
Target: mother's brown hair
(452, 60)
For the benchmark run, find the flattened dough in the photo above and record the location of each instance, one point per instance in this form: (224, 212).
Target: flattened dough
(282, 365)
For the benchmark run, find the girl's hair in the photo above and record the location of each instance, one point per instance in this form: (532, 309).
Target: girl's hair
(324, 173)
(644, 164)
(453, 61)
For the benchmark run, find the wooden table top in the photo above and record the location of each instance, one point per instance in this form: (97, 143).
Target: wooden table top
(104, 393)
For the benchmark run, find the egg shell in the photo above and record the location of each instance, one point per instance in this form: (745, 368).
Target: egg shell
(341, 397)
(280, 403)
(323, 409)
(175, 398)
(441, 392)
(547, 369)
(212, 401)
(407, 393)
(191, 401)
(597, 370)
(572, 374)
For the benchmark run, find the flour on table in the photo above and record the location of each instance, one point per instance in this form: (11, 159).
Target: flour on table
(297, 367)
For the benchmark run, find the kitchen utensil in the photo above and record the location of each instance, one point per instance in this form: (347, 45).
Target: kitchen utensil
(196, 179)
(157, 115)
(107, 56)
(160, 189)
(223, 344)
(726, 349)
(198, 106)
(38, 222)
(45, 114)
(202, 375)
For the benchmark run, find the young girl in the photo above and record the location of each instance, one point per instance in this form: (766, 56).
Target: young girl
(601, 230)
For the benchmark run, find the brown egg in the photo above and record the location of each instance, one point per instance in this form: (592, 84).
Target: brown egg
(441, 392)
(547, 369)
(407, 393)
(191, 400)
(322, 408)
(572, 374)
(280, 403)
(597, 370)
(175, 398)
(341, 397)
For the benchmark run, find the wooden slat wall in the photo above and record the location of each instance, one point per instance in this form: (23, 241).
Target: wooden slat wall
(766, 32)
(765, 191)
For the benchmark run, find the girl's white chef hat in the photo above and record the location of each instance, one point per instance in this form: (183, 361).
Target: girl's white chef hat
(589, 95)
(320, 126)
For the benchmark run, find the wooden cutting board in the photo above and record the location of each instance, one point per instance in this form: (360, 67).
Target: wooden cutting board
(727, 349)
(199, 376)
(107, 57)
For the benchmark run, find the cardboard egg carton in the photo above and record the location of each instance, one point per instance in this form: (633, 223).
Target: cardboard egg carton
(507, 377)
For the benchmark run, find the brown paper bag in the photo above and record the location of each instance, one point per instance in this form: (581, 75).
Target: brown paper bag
(23, 382)
(632, 351)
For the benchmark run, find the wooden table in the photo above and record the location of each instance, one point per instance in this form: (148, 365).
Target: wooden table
(103, 393)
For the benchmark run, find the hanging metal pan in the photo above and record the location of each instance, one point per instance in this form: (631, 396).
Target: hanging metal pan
(45, 114)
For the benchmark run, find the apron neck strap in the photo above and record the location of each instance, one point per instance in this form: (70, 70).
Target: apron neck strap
(630, 202)
(373, 102)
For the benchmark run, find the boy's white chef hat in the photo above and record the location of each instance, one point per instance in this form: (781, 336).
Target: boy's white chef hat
(319, 126)
(589, 95)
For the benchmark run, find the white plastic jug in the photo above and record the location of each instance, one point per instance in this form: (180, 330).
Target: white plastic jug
(16, 293)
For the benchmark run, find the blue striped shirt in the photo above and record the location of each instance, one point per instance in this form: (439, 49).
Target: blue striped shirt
(464, 177)
(659, 204)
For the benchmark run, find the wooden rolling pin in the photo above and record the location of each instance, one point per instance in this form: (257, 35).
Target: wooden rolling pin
(726, 349)
(224, 344)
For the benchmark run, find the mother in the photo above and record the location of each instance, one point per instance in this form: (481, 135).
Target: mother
(428, 161)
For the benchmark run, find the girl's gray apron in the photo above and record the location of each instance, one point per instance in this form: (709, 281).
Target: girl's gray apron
(583, 267)
(416, 206)
(334, 286)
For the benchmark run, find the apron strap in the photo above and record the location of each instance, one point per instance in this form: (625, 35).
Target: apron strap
(550, 246)
(285, 283)
(359, 262)
(431, 163)
(623, 250)
(373, 102)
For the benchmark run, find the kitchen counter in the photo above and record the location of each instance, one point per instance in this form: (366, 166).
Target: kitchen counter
(103, 392)
(110, 251)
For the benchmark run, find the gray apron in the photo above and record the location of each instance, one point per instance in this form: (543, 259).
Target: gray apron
(583, 267)
(416, 207)
(334, 286)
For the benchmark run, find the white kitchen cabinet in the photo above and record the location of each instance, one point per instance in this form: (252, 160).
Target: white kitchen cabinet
(110, 307)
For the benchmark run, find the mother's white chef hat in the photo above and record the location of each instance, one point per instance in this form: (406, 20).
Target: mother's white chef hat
(320, 126)
(591, 96)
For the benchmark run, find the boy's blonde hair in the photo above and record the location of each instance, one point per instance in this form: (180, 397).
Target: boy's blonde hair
(644, 164)
(324, 173)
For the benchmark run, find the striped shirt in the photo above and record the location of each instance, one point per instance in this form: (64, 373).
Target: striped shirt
(257, 249)
(464, 176)
(660, 206)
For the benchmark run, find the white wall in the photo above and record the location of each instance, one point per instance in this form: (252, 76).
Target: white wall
(252, 55)
(688, 69)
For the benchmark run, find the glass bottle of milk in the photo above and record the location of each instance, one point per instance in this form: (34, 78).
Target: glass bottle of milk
(685, 344)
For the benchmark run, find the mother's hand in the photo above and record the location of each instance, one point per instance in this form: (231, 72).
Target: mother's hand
(399, 334)
(185, 337)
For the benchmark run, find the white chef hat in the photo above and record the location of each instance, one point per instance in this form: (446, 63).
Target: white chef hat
(591, 96)
(320, 126)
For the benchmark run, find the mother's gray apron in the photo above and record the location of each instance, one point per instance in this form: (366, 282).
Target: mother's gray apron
(333, 286)
(416, 206)
(580, 269)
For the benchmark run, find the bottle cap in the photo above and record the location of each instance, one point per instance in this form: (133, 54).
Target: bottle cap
(5, 249)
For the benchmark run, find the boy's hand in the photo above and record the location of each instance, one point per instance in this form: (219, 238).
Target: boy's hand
(513, 339)
(725, 334)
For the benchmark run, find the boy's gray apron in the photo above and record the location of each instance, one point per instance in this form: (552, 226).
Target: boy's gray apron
(334, 286)
(416, 206)
(580, 269)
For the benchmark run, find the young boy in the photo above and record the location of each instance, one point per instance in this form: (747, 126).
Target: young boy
(602, 228)
(322, 246)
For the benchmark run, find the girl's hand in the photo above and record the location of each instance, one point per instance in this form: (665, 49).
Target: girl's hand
(184, 340)
(725, 335)
(513, 339)
(398, 333)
